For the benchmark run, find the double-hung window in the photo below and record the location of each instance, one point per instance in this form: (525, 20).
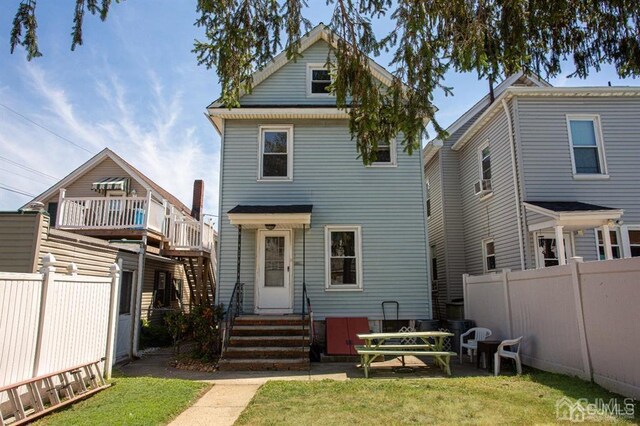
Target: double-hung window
(483, 186)
(634, 242)
(385, 154)
(276, 153)
(587, 151)
(318, 80)
(615, 244)
(489, 255)
(343, 258)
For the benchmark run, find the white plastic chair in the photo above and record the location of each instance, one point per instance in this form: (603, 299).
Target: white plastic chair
(502, 352)
(471, 345)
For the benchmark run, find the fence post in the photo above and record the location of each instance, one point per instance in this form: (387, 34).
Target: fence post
(48, 272)
(114, 271)
(465, 294)
(577, 294)
(507, 302)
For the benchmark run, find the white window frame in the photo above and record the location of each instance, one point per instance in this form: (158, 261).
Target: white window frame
(393, 156)
(427, 205)
(485, 255)
(480, 171)
(357, 229)
(626, 239)
(620, 244)
(276, 127)
(602, 158)
(314, 67)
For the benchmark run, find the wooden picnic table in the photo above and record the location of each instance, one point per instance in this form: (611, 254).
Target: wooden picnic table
(432, 344)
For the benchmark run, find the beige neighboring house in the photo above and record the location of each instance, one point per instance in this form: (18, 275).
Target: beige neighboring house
(107, 211)
(531, 179)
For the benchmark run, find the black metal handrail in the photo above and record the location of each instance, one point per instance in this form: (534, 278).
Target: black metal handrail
(233, 310)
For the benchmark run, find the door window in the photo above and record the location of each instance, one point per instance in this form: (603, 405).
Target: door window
(274, 261)
(547, 250)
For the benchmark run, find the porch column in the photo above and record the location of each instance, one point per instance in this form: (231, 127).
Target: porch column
(562, 259)
(606, 240)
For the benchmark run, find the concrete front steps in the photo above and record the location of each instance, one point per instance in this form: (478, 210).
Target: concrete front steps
(262, 343)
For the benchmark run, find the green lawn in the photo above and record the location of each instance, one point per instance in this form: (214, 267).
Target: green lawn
(131, 401)
(526, 399)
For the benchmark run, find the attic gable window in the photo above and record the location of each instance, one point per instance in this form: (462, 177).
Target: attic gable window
(318, 80)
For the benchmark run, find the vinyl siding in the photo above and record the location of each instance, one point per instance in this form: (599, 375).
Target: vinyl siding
(386, 202)
(81, 187)
(433, 174)
(494, 217)
(288, 85)
(547, 171)
(19, 241)
(151, 265)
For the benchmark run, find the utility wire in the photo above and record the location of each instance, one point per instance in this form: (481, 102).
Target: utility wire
(17, 191)
(46, 129)
(22, 176)
(27, 168)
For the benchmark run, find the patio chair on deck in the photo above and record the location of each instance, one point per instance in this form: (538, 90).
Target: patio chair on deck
(471, 345)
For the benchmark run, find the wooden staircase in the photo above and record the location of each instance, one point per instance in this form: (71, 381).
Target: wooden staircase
(259, 343)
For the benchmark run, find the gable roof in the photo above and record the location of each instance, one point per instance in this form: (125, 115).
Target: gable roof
(546, 92)
(143, 180)
(319, 32)
(481, 106)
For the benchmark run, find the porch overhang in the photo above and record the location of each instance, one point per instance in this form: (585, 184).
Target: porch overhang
(271, 217)
(571, 215)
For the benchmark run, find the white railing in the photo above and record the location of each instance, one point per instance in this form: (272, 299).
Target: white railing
(102, 213)
(182, 231)
(188, 233)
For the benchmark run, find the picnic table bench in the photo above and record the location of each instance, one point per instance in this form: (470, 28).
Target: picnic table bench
(432, 345)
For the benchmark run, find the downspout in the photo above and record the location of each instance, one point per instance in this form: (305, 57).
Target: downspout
(516, 187)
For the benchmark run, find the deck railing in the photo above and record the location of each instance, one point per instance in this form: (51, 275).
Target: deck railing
(143, 213)
(104, 213)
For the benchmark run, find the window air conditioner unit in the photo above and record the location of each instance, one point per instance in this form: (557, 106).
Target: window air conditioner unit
(483, 187)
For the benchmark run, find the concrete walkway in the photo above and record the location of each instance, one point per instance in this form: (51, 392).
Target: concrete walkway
(222, 405)
(233, 390)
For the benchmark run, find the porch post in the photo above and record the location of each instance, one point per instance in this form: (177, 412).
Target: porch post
(239, 250)
(606, 240)
(562, 259)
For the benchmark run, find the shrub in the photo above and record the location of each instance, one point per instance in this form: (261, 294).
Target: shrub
(154, 335)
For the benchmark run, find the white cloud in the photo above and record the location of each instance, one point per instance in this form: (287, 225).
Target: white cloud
(156, 136)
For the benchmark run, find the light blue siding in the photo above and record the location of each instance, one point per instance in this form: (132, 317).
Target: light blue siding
(386, 202)
(547, 171)
(288, 85)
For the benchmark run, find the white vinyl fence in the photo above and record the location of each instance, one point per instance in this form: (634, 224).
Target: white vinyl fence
(51, 321)
(579, 319)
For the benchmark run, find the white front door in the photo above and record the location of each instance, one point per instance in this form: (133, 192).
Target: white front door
(546, 249)
(274, 272)
(125, 313)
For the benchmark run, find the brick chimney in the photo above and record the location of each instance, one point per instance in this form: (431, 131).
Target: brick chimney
(198, 199)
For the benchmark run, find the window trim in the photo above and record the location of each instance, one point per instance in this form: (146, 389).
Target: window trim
(311, 67)
(626, 239)
(271, 127)
(481, 148)
(602, 158)
(620, 244)
(485, 241)
(427, 204)
(393, 157)
(327, 257)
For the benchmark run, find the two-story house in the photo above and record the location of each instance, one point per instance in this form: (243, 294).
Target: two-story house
(107, 200)
(532, 178)
(304, 224)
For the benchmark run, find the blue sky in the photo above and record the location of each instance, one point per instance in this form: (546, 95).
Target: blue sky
(135, 87)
